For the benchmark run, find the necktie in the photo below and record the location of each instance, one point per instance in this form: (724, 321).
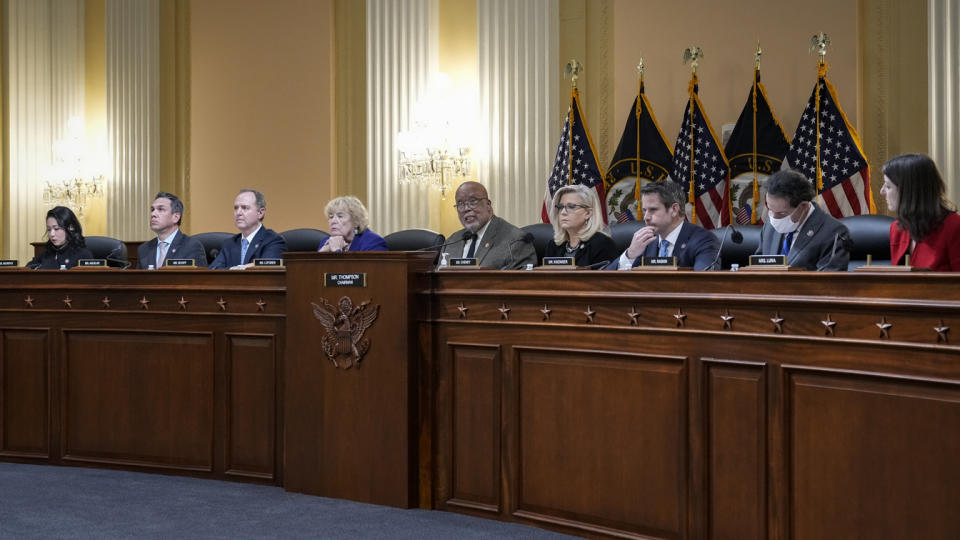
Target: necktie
(161, 254)
(473, 244)
(244, 244)
(664, 248)
(787, 242)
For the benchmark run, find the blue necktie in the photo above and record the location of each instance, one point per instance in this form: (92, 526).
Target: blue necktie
(244, 244)
(664, 246)
(787, 242)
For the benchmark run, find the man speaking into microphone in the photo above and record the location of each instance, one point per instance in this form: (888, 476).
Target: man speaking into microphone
(798, 228)
(492, 241)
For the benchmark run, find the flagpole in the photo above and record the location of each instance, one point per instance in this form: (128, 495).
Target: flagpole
(573, 69)
(693, 54)
(820, 42)
(636, 113)
(756, 181)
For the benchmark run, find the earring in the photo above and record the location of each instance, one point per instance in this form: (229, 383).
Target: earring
(356, 230)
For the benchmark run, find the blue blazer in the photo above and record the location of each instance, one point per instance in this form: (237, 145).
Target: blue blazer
(365, 241)
(266, 245)
(696, 247)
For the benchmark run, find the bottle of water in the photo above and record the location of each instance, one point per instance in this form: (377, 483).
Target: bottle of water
(150, 267)
(443, 260)
(63, 267)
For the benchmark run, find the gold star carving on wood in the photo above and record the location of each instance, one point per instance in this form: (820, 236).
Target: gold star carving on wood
(261, 305)
(144, 303)
(504, 312)
(727, 319)
(183, 303)
(884, 327)
(106, 302)
(463, 310)
(830, 326)
(222, 303)
(943, 332)
(777, 321)
(546, 312)
(28, 301)
(589, 313)
(68, 302)
(634, 316)
(681, 318)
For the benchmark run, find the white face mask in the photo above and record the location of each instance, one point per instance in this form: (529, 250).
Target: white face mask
(783, 225)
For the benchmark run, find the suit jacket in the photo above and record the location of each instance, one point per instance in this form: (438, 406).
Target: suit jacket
(597, 249)
(500, 248)
(939, 251)
(365, 241)
(52, 258)
(821, 243)
(183, 247)
(266, 245)
(696, 247)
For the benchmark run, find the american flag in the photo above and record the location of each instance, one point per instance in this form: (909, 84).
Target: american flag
(844, 179)
(576, 160)
(711, 172)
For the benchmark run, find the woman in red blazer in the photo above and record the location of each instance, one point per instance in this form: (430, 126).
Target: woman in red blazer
(927, 227)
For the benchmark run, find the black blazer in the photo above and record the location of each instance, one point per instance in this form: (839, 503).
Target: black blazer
(183, 247)
(52, 258)
(598, 248)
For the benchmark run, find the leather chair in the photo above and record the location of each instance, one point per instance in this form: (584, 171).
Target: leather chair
(111, 249)
(622, 233)
(212, 241)
(734, 253)
(869, 235)
(542, 236)
(413, 240)
(304, 239)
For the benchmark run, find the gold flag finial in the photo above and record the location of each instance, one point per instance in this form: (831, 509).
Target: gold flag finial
(573, 70)
(693, 55)
(640, 69)
(819, 42)
(756, 61)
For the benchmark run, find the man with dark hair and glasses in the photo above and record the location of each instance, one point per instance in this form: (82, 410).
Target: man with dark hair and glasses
(486, 237)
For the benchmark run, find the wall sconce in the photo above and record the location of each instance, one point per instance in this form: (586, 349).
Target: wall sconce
(76, 175)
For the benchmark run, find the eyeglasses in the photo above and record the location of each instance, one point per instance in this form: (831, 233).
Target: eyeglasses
(569, 207)
(468, 204)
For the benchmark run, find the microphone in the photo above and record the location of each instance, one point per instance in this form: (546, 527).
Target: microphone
(736, 237)
(526, 238)
(598, 265)
(833, 251)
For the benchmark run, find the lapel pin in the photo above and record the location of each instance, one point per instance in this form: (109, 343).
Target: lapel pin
(487, 245)
(683, 246)
(810, 233)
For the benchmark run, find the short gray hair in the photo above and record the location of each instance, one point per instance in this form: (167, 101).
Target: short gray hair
(353, 206)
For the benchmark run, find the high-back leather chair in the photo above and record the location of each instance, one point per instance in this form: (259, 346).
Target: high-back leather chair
(413, 240)
(622, 233)
(212, 242)
(111, 249)
(542, 236)
(869, 235)
(304, 239)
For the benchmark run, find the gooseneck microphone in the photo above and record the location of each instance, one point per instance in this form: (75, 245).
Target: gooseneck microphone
(736, 237)
(526, 238)
(833, 251)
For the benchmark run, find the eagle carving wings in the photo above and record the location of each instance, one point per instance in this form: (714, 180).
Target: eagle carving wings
(343, 329)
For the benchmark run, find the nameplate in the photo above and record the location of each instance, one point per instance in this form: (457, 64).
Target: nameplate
(268, 263)
(345, 280)
(768, 260)
(558, 261)
(659, 261)
(462, 261)
(8, 263)
(92, 262)
(179, 262)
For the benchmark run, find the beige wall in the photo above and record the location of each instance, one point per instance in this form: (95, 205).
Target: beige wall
(261, 110)
(728, 33)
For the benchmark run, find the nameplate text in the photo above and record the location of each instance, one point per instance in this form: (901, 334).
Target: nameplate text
(768, 260)
(558, 261)
(179, 262)
(92, 262)
(345, 280)
(463, 261)
(270, 263)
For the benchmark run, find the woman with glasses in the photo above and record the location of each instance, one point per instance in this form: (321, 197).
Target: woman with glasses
(347, 218)
(927, 226)
(577, 218)
(65, 242)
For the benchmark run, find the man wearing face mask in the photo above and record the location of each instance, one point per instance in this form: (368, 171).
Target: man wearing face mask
(798, 228)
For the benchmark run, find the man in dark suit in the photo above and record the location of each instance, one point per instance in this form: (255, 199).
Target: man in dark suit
(668, 233)
(166, 213)
(493, 241)
(254, 241)
(798, 228)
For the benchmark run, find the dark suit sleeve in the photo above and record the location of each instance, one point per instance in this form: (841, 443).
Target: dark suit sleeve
(193, 249)
(273, 247)
(835, 255)
(706, 248)
(143, 255)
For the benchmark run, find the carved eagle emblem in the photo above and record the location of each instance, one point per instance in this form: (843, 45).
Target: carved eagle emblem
(343, 329)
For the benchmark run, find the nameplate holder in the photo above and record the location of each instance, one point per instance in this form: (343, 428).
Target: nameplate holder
(456, 262)
(9, 263)
(92, 263)
(657, 263)
(559, 261)
(345, 280)
(768, 263)
(179, 263)
(268, 263)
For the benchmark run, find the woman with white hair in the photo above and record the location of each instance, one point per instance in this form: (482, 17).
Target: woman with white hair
(348, 221)
(577, 218)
